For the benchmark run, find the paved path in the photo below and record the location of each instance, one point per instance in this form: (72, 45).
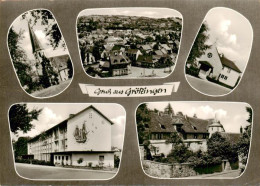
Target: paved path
(52, 90)
(50, 172)
(206, 86)
(227, 174)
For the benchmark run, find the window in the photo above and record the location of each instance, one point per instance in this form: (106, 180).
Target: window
(90, 115)
(228, 70)
(67, 158)
(162, 126)
(62, 157)
(55, 157)
(204, 136)
(59, 157)
(195, 136)
(101, 158)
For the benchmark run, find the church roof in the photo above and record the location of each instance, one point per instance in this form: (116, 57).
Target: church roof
(228, 63)
(36, 45)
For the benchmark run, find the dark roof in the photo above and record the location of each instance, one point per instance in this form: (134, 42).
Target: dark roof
(161, 123)
(60, 62)
(189, 124)
(145, 58)
(72, 116)
(132, 51)
(117, 47)
(206, 63)
(228, 63)
(231, 137)
(36, 45)
(118, 59)
(196, 125)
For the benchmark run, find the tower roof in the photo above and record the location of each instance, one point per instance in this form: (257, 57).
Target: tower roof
(36, 45)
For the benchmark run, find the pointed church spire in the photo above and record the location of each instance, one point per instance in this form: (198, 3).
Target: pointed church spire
(36, 45)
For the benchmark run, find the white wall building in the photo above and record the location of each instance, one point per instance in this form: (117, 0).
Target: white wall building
(218, 67)
(83, 139)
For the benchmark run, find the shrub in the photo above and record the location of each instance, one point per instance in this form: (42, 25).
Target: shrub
(116, 161)
(90, 164)
(22, 161)
(80, 160)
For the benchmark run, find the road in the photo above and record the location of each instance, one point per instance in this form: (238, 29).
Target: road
(50, 172)
(227, 174)
(207, 87)
(52, 90)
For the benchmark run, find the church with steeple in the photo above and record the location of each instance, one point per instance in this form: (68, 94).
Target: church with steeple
(47, 69)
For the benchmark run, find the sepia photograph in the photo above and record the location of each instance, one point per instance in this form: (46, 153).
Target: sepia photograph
(129, 42)
(220, 52)
(39, 54)
(67, 141)
(198, 140)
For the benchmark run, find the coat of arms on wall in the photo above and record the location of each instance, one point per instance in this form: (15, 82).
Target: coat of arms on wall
(81, 134)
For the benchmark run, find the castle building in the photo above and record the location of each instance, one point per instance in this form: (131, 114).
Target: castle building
(83, 139)
(58, 63)
(193, 131)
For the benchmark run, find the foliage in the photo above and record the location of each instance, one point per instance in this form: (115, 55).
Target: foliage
(80, 160)
(90, 164)
(34, 161)
(243, 144)
(49, 76)
(204, 159)
(19, 58)
(21, 118)
(169, 109)
(142, 117)
(199, 47)
(219, 146)
(20, 146)
(45, 18)
(179, 154)
(174, 139)
(116, 161)
(69, 66)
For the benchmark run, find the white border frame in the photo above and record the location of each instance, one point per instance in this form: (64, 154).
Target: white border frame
(12, 59)
(193, 178)
(12, 149)
(129, 78)
(247, 59)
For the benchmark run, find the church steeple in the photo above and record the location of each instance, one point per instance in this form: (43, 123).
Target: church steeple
(36, 45)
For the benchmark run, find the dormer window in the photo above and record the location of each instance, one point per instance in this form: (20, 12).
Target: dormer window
(195, 128)
(162, 126)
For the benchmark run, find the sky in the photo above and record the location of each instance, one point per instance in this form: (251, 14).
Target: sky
(52, 114)
(231, 115)
(145, 12)
(232, 33)
(20, 24)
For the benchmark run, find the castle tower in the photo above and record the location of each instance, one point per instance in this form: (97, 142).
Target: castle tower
(215, 126)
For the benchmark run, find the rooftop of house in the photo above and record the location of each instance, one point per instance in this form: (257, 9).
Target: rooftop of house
(145, 58)
(231, 137)
(161, 122)
(64, 122)
(228, 63)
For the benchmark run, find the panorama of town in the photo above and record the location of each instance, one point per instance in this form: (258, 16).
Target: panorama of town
(128, 46)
